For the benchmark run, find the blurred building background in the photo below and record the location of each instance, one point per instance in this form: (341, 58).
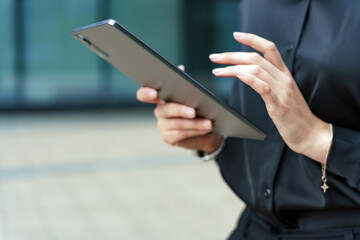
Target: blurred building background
(43, 67)
(80, 157)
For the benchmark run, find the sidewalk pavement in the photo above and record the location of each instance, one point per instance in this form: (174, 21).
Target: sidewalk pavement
(105, 175)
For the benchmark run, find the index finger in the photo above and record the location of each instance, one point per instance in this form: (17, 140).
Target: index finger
(174, 110)
(148, 95)
(266, 47)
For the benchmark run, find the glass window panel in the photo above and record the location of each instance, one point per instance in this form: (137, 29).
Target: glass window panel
(58, 69)
(7, 55)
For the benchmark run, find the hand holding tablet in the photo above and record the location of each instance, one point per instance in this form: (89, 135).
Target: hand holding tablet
(133, 57)
(178, 124)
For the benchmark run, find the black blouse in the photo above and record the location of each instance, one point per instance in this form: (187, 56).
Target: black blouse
(319, 41)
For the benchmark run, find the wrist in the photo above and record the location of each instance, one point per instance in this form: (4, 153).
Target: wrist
(213, 146)
(318, 141)
(212, 155)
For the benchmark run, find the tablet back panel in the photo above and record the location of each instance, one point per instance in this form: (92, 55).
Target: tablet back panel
(142, 64)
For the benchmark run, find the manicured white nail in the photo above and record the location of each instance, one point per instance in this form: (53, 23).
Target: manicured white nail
(207, 124)
(239, 34)
(152, 93)
(214, 56)
(190, 112)
(217, 71)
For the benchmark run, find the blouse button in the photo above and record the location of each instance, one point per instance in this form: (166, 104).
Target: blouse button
(289, 47)
(267, 193)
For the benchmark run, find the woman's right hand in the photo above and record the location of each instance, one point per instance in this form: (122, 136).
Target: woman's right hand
(178, 124)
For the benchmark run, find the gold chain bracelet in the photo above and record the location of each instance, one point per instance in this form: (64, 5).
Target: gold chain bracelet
(324, 178)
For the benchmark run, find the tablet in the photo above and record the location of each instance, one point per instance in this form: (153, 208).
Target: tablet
(138, 61)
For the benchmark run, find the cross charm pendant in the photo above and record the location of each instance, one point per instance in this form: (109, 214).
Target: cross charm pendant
(324, 187)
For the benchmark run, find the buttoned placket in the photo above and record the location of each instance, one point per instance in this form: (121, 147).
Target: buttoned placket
(266, 192)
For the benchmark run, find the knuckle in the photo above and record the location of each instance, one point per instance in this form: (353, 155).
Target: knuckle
(250, 80)
(290, 83)
(265, 90)
(255, 70)
(271, 47)
(255, 57)
(176, 124)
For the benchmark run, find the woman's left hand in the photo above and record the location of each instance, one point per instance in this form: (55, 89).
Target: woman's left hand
(268, 75)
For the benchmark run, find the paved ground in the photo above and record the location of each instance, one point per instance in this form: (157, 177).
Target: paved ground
(107, 176)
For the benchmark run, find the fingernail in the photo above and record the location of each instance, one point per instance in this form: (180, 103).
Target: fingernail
(239, 34)
(214, 56)
(190, 112)
(152, 93)
(207, 124)
(217, 71)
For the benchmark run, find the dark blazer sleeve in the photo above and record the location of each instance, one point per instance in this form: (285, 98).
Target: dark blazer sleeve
(344, 155)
